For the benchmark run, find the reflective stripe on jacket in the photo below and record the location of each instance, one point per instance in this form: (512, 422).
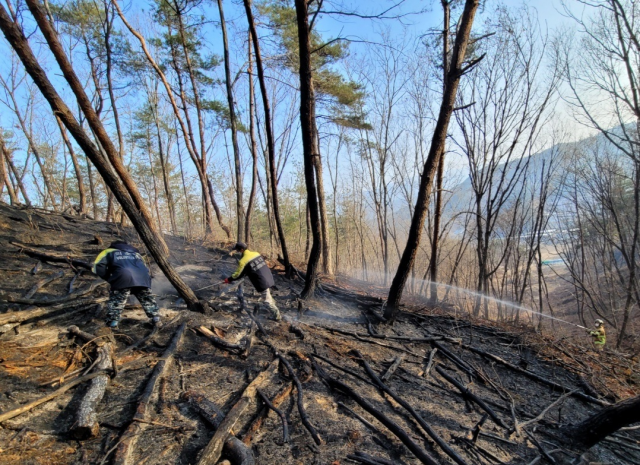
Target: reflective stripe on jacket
(599, 336)
(253, 265)
(122, 267)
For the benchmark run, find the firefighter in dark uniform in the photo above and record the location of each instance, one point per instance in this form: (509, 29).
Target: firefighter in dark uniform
(253, 265)
(122, 267)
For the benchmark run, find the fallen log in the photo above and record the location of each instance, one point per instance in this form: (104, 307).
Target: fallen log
(464, 366)
(79, 293)
(25, 408)
(86, 423)
(285, 426)
(343, 369)
(368, 339)
(218, 341)
(534, 376)
(129, 437)
(392, 368)
(384, 336)
(421, 421)
(303, 414)
(432, 355)
(301, 410)
(86, 337)
(418, 451)
(365, 422)
(264, 413)
(471, 396)
(207, 409)
(212, 452)
(233, 447)
(52, 257)
(238, 452)
(605, 422)
(41, 283)
(24, 315)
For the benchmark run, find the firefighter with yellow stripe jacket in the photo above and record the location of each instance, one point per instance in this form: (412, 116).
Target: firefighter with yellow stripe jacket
(122, 267)
(599, 335)
(253, 265)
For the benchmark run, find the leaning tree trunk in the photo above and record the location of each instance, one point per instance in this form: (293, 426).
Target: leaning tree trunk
(19, 43)
(92, 118)
(307, 123)
(240, 216)
(271, 151)
(437, 215)
(607, 421)
(431, 164)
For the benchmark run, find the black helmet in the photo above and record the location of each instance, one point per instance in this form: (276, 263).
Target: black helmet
(239, 247)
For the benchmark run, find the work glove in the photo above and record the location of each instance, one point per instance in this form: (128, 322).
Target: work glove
(226, 281)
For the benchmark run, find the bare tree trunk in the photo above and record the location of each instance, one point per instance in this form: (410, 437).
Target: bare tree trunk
(107, 26)
(199, 160)
(164, 164)
(76, 167)
(19, 43)
(307, 243)
(224, 227)
(4, 175)
(91, 116)
(431, 164)
(17, 176)
(240, 215)
(270, 140)
(327, 265)
(152, 173)
(32, 148)
(309, 143)
(254, 147)
(184, 190)
(92, 188)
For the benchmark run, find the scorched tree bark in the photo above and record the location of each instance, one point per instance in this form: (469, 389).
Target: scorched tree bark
(307, 123)
(456, 71)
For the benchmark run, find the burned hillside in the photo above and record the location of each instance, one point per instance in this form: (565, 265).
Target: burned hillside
(329, 384)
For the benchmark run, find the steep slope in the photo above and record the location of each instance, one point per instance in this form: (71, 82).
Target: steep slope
(514, 373)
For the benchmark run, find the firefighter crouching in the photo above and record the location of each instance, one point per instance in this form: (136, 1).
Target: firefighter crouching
(599, 335)
(122, 267)
(253, 265)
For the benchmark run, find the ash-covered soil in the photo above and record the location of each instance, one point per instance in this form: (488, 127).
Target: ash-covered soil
(330, 335)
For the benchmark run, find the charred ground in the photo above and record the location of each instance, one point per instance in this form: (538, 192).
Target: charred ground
(514, 372)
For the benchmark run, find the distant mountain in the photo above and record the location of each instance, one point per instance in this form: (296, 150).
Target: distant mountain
(560, 155)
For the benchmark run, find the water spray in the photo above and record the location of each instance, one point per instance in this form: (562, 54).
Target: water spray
(492, 299)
